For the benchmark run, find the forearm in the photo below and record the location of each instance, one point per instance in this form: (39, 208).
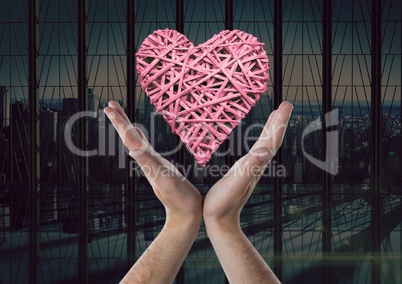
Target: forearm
(239, 259)
(163, 258)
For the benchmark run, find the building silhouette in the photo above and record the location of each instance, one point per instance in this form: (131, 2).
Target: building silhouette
(4, 108)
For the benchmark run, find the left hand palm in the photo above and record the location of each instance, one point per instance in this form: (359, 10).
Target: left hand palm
(180, 198)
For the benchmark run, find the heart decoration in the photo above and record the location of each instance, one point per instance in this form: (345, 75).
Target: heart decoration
(203, 91)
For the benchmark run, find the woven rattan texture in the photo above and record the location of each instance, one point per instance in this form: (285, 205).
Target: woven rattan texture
(203, 91)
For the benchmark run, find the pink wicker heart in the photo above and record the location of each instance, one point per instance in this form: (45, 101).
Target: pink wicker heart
(203, 91)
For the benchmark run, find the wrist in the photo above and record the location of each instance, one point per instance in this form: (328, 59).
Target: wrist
(229, 225)
(183, 224)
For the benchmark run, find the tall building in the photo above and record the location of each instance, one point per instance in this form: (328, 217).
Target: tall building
(70, 107)
(65, 169)
(4, 162)
(4, 142)
(4, 108)
(48, 140)
(19, 142)
(93, 101)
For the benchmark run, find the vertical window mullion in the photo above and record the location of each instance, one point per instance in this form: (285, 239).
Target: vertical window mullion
(130, 109)
(376, 137)
(278, 82)
(34, 140)
(326, 108)
(83, 184)
(228, 26)
(180, 154)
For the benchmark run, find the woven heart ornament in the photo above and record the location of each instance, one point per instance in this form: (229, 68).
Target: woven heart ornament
(203, 91)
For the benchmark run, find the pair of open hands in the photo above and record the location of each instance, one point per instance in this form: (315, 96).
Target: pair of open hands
(181, 199)
(224, 201)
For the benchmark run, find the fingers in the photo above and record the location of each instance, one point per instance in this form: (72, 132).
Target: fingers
(151, 163)
(279, 124)
(275, 128)
(126, 131)
(270, 119)
(251, 166)
(133, 140)
(116, 106)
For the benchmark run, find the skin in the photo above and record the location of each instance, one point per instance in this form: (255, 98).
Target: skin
(182, 201)
(225, 200)
(185, 208)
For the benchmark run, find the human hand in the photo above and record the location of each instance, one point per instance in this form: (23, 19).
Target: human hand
(182, 201)
(224, 201)
(227, 197)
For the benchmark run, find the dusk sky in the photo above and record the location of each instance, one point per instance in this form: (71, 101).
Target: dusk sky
(302, 43)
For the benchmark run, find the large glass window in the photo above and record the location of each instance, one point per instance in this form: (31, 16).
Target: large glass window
(302, 191)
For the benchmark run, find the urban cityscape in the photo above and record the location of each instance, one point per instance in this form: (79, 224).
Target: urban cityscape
(107, 170)
(76, 223)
